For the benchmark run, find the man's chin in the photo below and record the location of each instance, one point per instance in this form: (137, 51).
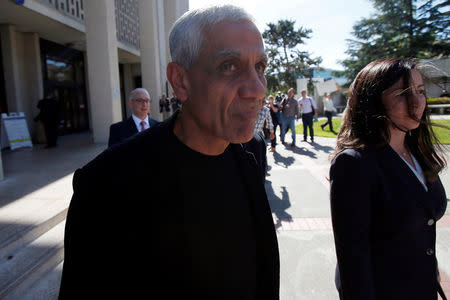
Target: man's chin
(242, 138)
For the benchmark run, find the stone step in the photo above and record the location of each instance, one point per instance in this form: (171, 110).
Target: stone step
(26, 219)
(25, 266)
(46, 288)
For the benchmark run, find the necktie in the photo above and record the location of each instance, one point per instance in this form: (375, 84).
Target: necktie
(143, 125)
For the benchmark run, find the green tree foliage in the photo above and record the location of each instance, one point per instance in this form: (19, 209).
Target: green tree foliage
(399, 28)
(286, 61)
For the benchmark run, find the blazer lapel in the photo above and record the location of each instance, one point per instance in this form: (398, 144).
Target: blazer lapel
(267, 244)
(131, 127)
(397, 167)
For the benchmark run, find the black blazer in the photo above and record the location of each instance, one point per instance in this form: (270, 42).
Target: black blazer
(126, 236)
(122, 130)
(384, 225)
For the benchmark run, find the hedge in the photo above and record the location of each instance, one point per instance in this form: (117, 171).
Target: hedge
(439, 100)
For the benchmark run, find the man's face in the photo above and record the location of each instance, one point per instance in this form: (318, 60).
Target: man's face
(291, 94)
(303, 94)
(226, 83)
(140, 105)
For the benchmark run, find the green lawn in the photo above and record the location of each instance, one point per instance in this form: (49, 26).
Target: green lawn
(442, 133)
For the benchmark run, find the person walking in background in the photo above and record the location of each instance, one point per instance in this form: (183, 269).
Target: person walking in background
(50, 117)
(264, 116)
(139, 102)
(329, 109)
(164, 106)
(187, 186)
(386, 195)
(274, 114)
(309, 111)
(290, 113)
(175, 103)
(279, 99)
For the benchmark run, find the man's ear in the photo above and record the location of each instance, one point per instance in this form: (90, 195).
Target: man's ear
(177, 77)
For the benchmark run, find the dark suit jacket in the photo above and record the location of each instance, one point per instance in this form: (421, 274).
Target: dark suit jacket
(384, 225)
(126, 229)
(257, 148)
(120, 131)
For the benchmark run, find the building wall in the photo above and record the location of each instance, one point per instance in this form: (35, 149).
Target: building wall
(437, 76)
(68, 20)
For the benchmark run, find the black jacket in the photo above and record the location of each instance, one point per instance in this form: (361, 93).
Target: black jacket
(125, 232)
(120, 131)
(384, 225)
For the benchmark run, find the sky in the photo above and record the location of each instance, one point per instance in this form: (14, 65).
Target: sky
(331, 21)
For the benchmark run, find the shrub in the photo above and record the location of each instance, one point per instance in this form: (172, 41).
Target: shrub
(439, 100)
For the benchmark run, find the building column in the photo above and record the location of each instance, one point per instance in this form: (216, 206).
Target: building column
(151, 24)
(34, 85)
(173, 9)
(103, 67)
(10, 53)
(127, 85)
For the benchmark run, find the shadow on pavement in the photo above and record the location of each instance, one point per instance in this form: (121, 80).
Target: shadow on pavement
(326, 149)
(303, 151)
(283, 161)
(278, 205)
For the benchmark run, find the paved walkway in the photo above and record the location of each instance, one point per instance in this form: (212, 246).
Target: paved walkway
(297, 188)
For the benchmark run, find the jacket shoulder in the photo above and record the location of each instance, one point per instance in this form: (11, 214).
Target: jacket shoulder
(357, 161)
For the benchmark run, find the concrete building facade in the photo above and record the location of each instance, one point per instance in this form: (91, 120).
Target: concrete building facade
(87, 54)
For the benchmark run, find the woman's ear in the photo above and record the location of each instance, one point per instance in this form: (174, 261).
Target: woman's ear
(177, 77)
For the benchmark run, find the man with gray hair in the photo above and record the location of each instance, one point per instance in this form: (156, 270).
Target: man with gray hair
(180, 210)
(139, 102)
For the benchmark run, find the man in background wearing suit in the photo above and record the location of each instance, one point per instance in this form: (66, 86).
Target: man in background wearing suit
(139, 102)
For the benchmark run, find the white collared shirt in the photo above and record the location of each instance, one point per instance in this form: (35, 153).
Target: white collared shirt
(307, 104)
(328, 105)
(138, 121)
(417, 171)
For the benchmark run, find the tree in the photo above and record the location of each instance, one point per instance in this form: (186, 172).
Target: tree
(286, 61)
(399, 28)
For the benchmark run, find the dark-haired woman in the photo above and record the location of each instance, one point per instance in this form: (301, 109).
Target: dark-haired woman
(386, 195)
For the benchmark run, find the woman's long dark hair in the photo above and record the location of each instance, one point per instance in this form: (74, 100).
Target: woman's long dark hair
(366, 123)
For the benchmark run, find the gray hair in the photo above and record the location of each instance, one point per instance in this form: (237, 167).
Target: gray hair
(131, 95)
(187, 34)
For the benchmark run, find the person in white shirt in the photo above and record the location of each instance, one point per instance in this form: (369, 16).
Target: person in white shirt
(328, 108)
(309, 111)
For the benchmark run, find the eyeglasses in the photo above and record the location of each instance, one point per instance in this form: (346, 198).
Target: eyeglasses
(142, 101)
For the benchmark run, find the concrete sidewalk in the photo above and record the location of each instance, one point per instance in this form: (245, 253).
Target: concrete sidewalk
(297, 188)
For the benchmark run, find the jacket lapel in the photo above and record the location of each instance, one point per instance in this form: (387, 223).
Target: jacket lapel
(390, 161)
(131, 127)
(267, 245)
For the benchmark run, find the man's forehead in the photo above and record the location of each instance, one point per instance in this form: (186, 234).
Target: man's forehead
(239, 53)
(227, 34)
(140, 94)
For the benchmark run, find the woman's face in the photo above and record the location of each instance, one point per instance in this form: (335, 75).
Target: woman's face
(395, 100)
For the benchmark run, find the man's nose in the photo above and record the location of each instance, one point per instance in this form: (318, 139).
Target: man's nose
(253, 85)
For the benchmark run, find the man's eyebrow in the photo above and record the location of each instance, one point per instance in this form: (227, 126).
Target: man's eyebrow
(227, 53)
(232, 53)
